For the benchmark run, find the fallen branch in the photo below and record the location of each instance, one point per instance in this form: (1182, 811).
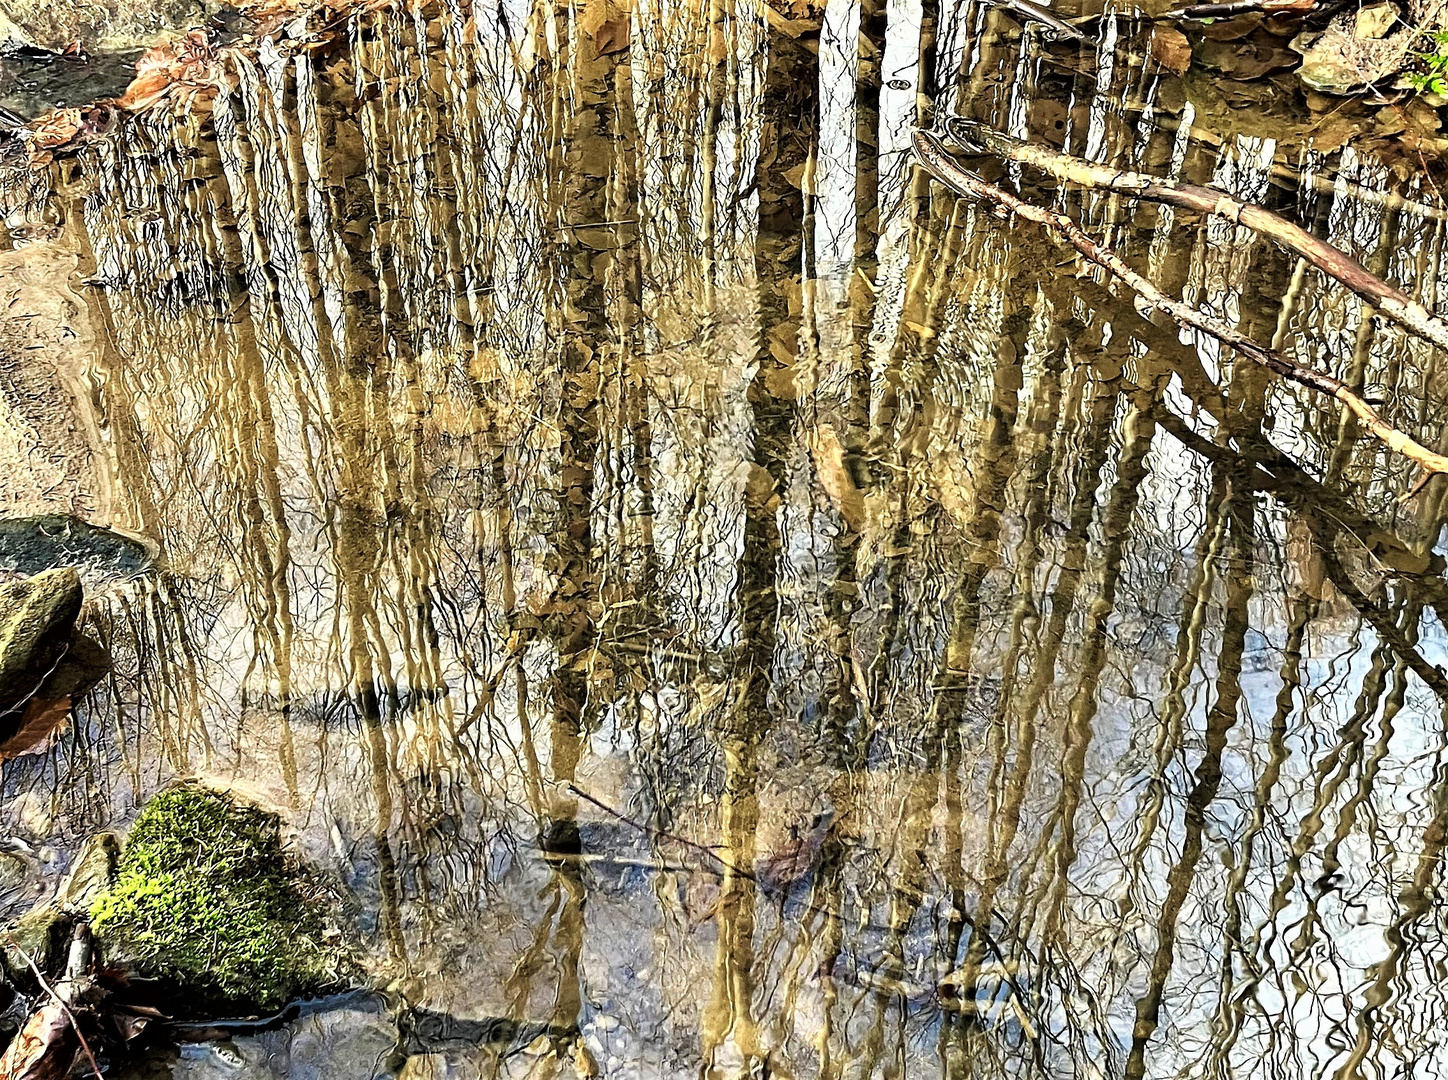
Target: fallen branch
(1028, 11)
(937, 161)
(1232, 8)
(1394, 303)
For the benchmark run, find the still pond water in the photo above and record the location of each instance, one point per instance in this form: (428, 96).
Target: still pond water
(696, 587)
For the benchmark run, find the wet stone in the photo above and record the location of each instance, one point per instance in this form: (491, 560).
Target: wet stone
(39, 937)
(37, 620)
(92, 872)
(30, 545)
(1352, 52)
(15, 876)
(42, 935)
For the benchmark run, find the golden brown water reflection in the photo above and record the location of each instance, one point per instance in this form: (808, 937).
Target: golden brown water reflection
(685, 577)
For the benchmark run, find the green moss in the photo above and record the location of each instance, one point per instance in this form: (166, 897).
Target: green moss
(207, 906)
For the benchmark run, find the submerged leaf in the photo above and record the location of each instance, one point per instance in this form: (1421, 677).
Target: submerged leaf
(57, 129)
(834, 475)
(182, 66)
(1233, 29)
(1247, 59)
(612, 37)
(41, 717)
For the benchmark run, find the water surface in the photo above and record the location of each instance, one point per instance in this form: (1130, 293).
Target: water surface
(683, 577)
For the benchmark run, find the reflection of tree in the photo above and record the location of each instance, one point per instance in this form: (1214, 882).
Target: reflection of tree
(788, 123)
(1222, 716)
(1054, 608)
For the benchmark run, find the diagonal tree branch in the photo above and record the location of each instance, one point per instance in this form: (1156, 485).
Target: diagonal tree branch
(937, 161)
(1394, 303)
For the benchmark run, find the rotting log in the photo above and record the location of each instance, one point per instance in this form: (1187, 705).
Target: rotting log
(932, 154)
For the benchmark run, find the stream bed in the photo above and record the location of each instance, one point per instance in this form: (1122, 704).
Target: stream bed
(716, 604)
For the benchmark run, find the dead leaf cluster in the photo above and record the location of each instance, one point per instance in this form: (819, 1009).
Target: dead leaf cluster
(179, 70)
(71, 1016)
(185, 74)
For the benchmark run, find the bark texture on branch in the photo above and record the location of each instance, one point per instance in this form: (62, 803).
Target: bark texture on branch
(1394, 303)
(933, 155)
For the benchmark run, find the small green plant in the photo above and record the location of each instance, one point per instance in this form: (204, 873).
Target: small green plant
(1432, 74)
(206, 904)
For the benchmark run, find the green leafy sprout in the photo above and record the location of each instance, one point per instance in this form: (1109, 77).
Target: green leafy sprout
(1432, 75)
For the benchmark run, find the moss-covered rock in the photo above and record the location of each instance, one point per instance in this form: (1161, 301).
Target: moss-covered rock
(208, 909)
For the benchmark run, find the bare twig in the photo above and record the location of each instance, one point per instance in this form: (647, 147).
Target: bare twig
(1394, 303)
(649, 830)
(938, 162)
(58, 999)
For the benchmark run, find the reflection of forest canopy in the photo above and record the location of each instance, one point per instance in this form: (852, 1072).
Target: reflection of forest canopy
(591, 386)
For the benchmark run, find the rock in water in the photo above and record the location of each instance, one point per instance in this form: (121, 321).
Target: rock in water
(92, 872)
(33, 544)
(37, 622)
(208, 912)
(1356, 50)
(42, 935)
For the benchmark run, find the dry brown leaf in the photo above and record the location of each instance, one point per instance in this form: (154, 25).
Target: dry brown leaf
(45, 1049)
(57, 129)
(270, 9)
(596, 238)
(780, 22)
(186, 65)
(804, 10)
(1246, 60)
(145, 90)
(784, 342)
(1171, 49)
(759, 490)
(41, 717)
(798, 177)
(130, 1026)
(612, 37)
(1232, 29)
(829, 458)
(1333, 132)
(593, 15)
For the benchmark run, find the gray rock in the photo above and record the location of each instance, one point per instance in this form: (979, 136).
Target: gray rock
(41, 937)
(1356, 49)
(43, 933)
(32, 544)
(37, 622)
(92, 872)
